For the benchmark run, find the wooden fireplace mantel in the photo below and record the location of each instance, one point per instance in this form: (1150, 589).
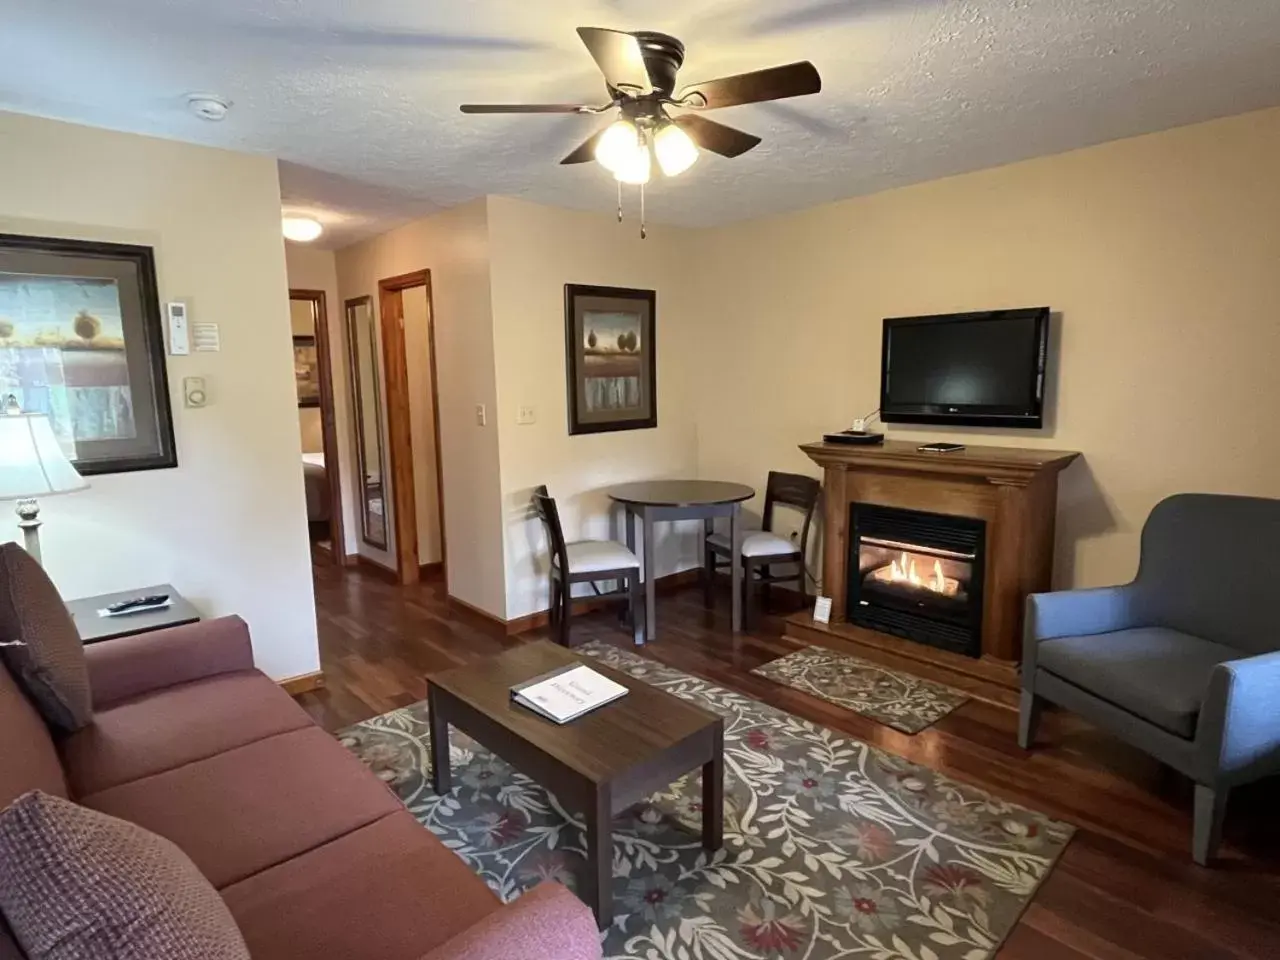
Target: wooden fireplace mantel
(1014, 489)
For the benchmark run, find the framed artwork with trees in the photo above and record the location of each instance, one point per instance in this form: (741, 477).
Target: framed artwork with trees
(81, 341)
(610, 358)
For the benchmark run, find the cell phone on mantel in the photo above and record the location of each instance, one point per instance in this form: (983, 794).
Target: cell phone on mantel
(939, 447)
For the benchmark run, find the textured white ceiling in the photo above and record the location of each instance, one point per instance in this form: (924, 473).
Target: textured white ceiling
(359, 99)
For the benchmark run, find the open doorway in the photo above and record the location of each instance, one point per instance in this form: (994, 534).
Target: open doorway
(312, 364)
(413, 425)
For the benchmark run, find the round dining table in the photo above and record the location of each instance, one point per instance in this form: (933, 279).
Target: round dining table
(647, 502)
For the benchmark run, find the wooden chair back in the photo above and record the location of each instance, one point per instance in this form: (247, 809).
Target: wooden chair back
(792, 490)
(545, 506)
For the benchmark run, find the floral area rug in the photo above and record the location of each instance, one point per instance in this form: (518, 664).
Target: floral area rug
(833, 849)
(894, 698)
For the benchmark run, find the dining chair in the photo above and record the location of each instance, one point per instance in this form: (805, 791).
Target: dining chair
(761, 549)
(587, 561)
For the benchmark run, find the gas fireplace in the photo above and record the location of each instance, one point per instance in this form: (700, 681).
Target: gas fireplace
(917, 575)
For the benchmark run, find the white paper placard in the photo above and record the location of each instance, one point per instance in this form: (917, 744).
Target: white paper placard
(822, 610)
(206, 338)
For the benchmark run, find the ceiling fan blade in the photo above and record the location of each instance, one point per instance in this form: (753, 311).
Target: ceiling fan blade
(716, 137)
(618, 56)
(776, 83)
(526, 108)
(586, 150)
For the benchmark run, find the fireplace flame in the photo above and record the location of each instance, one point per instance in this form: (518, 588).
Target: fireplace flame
(904, 570)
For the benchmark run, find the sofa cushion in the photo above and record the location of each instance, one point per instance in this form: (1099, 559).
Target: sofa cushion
(43, 650)
(250, 808)
(1161, 675)
(79, 885)
(175, 726)
(28, 759)
(389, 890)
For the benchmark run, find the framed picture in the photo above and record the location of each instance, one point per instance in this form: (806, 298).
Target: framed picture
(306, 370)
(611, 361)
(81, 340)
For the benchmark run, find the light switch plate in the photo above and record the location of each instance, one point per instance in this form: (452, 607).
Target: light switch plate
(525, 415)
(481, 417)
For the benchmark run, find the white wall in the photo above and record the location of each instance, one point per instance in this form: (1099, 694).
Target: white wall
(227, 527)
(454, 246)
(535, 251)
(1160, 254)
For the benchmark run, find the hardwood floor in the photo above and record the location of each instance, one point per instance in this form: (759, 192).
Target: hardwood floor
(1125, 888)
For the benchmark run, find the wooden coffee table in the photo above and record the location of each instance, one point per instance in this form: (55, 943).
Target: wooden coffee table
(599, 764)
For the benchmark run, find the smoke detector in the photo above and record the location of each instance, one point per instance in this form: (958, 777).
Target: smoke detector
(208, 106)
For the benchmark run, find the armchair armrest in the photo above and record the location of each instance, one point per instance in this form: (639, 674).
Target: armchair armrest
(1075, 613)
(1238, 734)
(548, 921)
(129, 666)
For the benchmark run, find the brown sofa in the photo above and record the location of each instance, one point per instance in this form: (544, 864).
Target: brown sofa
(314, 856)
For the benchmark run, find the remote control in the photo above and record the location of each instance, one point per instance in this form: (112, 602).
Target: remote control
(150, 601)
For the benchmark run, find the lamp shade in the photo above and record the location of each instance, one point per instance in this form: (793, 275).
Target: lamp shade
(32, 463)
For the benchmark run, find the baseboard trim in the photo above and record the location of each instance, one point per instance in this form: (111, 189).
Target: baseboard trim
(481, 618)
(534, 621)
(665, 584)
(372, 566)
(306, 683)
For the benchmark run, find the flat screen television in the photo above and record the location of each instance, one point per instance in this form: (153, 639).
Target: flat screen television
(966, 369)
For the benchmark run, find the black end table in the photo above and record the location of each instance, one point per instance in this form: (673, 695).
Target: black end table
(95, 629)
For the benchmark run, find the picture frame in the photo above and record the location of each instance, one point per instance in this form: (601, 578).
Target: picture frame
(611, 361)
(82, 341)
(306, 370)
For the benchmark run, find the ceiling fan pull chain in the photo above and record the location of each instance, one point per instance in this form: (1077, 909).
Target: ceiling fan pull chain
(643, 232)
(619, 201)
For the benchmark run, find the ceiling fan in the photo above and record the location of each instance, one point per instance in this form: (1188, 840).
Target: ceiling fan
(640, 70)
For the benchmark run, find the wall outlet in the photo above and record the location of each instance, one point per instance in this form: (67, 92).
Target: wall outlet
(524, 415)
(481, 416)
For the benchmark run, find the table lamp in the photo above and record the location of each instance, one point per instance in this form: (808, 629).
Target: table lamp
(32, 465)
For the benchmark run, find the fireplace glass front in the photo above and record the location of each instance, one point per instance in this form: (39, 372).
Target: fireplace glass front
(917, 575)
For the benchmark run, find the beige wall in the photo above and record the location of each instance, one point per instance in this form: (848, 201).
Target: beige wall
(227, 526)
(417, 345)
(1160, 255)
(535, 251)
(454, 246)
(310, 268)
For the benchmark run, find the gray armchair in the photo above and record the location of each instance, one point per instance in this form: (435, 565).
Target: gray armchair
(1184, 662)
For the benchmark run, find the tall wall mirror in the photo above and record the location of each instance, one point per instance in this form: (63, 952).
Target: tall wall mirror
(366, 400)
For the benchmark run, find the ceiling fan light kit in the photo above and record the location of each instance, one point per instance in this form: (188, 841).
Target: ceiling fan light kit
(618, 146)
(675, 150)
(640, 76)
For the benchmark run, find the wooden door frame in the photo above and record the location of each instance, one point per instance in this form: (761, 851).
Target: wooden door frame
(328, 421)
(399, 433)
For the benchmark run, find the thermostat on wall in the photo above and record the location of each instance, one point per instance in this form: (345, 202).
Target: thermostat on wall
(179, 341)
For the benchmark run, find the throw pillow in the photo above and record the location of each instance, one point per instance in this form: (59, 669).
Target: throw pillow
(80, 885)
(45, 654)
